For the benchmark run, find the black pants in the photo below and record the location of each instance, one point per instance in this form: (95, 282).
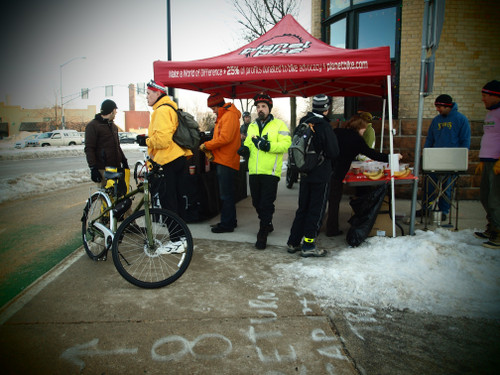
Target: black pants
(263, 189)
(332, 222)
(309, 215)
(169, 187)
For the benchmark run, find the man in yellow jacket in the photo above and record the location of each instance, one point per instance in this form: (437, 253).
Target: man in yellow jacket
(164, 151)
(224, 146)
(268, 138)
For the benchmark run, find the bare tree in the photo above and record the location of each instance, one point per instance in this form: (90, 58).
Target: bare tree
(257, 17)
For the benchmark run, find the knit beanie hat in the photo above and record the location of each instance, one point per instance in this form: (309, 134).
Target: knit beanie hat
(492, 88)
(107, 107)
(152, 85)
(444, 100)
(367, 116)
(263, 98)
(215, 100)
(321, 103)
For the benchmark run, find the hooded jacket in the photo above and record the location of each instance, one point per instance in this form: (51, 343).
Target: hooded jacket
(452, 130)
(164, 122)
(324, 142)
(102, 145)
(226, 140)
(278, 135)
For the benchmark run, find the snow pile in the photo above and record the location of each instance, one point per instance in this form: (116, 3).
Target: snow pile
(443, 272)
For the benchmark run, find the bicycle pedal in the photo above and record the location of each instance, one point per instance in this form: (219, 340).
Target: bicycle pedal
(104, 258)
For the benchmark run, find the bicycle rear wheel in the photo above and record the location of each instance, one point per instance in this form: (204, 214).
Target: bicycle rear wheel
(157, 265)
(140, 170)
(94, 240)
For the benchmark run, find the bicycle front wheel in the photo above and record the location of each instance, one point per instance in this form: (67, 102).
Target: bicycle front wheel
(160, 263)
(95, 242)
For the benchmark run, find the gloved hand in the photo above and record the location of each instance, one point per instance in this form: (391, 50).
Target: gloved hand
(141, 140)
(95, 175)
(244, 151)
(496, 167)
(261, 143)
(125, 164)
(203, 147)
(479, 168)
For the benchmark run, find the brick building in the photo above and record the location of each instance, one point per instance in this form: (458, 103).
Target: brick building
(468, 56)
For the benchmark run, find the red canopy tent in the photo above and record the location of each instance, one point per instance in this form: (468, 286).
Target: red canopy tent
(286, 61)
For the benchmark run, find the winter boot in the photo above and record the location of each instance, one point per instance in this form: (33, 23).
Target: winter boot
(262, 238)
(494, 240)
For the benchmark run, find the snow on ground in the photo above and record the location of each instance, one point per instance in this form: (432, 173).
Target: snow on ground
(28, 184)
(442, 272)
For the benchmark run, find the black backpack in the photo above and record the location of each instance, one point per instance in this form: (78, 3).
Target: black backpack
(302, 156)
(187, 134)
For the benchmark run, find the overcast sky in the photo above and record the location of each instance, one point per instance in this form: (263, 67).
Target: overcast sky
(119, 38)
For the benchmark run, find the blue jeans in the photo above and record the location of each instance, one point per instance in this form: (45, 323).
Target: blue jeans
(227, 182)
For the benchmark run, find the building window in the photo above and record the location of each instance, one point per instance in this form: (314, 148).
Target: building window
(364, 24)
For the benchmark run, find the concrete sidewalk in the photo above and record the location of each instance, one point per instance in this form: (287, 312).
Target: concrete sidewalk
(228, 314)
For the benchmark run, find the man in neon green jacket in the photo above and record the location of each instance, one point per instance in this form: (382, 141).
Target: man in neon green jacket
(267, 140)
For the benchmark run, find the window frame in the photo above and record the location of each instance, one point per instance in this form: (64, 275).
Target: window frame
(351, 15)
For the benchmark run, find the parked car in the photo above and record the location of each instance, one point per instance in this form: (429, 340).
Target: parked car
(58, 138)
(23, 143)
(126, 137)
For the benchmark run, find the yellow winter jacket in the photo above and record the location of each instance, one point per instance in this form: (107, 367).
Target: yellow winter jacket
(271, 162)
(161, 148)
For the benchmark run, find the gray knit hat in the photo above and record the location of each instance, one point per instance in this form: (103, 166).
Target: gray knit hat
(321, 103)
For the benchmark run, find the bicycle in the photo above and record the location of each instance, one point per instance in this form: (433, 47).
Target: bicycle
(151, 248)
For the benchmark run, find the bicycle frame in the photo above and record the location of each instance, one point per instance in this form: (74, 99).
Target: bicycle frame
(112, 202)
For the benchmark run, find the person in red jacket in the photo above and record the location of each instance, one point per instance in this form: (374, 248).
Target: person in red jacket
(224, 146)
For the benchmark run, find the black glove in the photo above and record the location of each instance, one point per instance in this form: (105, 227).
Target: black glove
(244, 151)
(95, 175)
(141, 140)
(261, 143)
(125, 164)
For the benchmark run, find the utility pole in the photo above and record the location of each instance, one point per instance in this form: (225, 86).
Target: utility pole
(63, 124)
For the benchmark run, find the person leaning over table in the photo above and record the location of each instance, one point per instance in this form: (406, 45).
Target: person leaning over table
(351, 143)
(489, 166)
(267, 140)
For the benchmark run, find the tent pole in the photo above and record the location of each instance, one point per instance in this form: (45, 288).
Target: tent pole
(422, 94)
(383, 126)
(391, 145)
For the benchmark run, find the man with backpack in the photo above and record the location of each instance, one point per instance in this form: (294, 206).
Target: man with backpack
(224, 146)
(268, 138)
(314, 184)
(164, 151)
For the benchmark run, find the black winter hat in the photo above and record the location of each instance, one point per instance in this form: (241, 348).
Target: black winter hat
(263, 98)
(107, 107)
(492, 88)
(444, 100)
(321, 103)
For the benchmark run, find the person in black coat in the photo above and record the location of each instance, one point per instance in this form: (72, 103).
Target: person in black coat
(351, 143)
(314, 186)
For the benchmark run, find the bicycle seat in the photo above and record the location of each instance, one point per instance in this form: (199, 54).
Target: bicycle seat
(113, 175)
